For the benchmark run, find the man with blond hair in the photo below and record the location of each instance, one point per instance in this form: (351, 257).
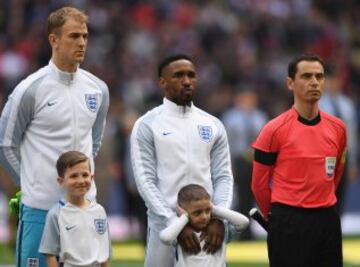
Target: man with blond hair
(58, 108)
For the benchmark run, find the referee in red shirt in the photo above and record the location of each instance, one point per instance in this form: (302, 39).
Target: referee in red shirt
(299, 160)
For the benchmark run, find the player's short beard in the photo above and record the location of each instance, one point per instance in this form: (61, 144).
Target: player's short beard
(181, 99)
(184, 100)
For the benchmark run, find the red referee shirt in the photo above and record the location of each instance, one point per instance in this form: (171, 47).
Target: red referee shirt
(298, 162)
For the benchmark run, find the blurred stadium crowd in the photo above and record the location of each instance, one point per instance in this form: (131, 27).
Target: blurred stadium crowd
(238, 45)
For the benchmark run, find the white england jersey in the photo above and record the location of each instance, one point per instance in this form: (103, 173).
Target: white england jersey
(202, 258)
(80, 237)
(182, 259)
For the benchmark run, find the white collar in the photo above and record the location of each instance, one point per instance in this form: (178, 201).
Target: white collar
(64, 77)
(178, 109)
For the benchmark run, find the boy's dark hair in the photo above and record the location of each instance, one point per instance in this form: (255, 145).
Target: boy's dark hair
(292, 67)
(191, 192)
(166, 61)
(70, 159)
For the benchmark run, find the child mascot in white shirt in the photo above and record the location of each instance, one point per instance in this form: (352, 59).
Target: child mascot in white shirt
(76, 229)
(195, 208)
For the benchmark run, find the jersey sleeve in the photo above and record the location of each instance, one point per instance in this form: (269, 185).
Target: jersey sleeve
(221, 173)
(266, 149)
(266, 140)
(144, 166)
(171, 232)
(99, 125)
(50, 241)
(341, 157)
(15, 118)
(237, 219)
(108, 231)
(260, 186)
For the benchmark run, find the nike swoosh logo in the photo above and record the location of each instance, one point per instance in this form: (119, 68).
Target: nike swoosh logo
(70, 227)
(166, 133)
(51, 104)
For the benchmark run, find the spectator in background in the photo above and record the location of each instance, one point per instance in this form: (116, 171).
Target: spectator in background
(124, 198)
(58, 108)
(137, 210)
(335, 102)
(243, 122)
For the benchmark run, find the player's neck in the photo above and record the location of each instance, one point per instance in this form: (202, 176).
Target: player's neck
(64, 66)
(308, 111)
(80, 202)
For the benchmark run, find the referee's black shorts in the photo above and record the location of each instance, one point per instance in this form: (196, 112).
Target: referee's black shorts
(302, 237)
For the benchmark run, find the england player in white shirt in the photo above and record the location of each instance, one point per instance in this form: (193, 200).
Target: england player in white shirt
(76, 229)
(196, 209)
(173, 145)
(58, 108)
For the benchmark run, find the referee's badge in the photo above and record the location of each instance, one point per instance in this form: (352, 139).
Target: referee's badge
(205, 133)
(91, 102)
(100, 226)
(330, 163)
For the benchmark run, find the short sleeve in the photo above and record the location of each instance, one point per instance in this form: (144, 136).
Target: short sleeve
(50, 241)
(267, 140)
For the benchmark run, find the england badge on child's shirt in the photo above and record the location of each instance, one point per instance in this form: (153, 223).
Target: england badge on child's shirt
(100, 226)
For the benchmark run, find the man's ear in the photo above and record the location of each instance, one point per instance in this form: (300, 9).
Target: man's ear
(290, 83)
(162, 83)
(53, 40)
